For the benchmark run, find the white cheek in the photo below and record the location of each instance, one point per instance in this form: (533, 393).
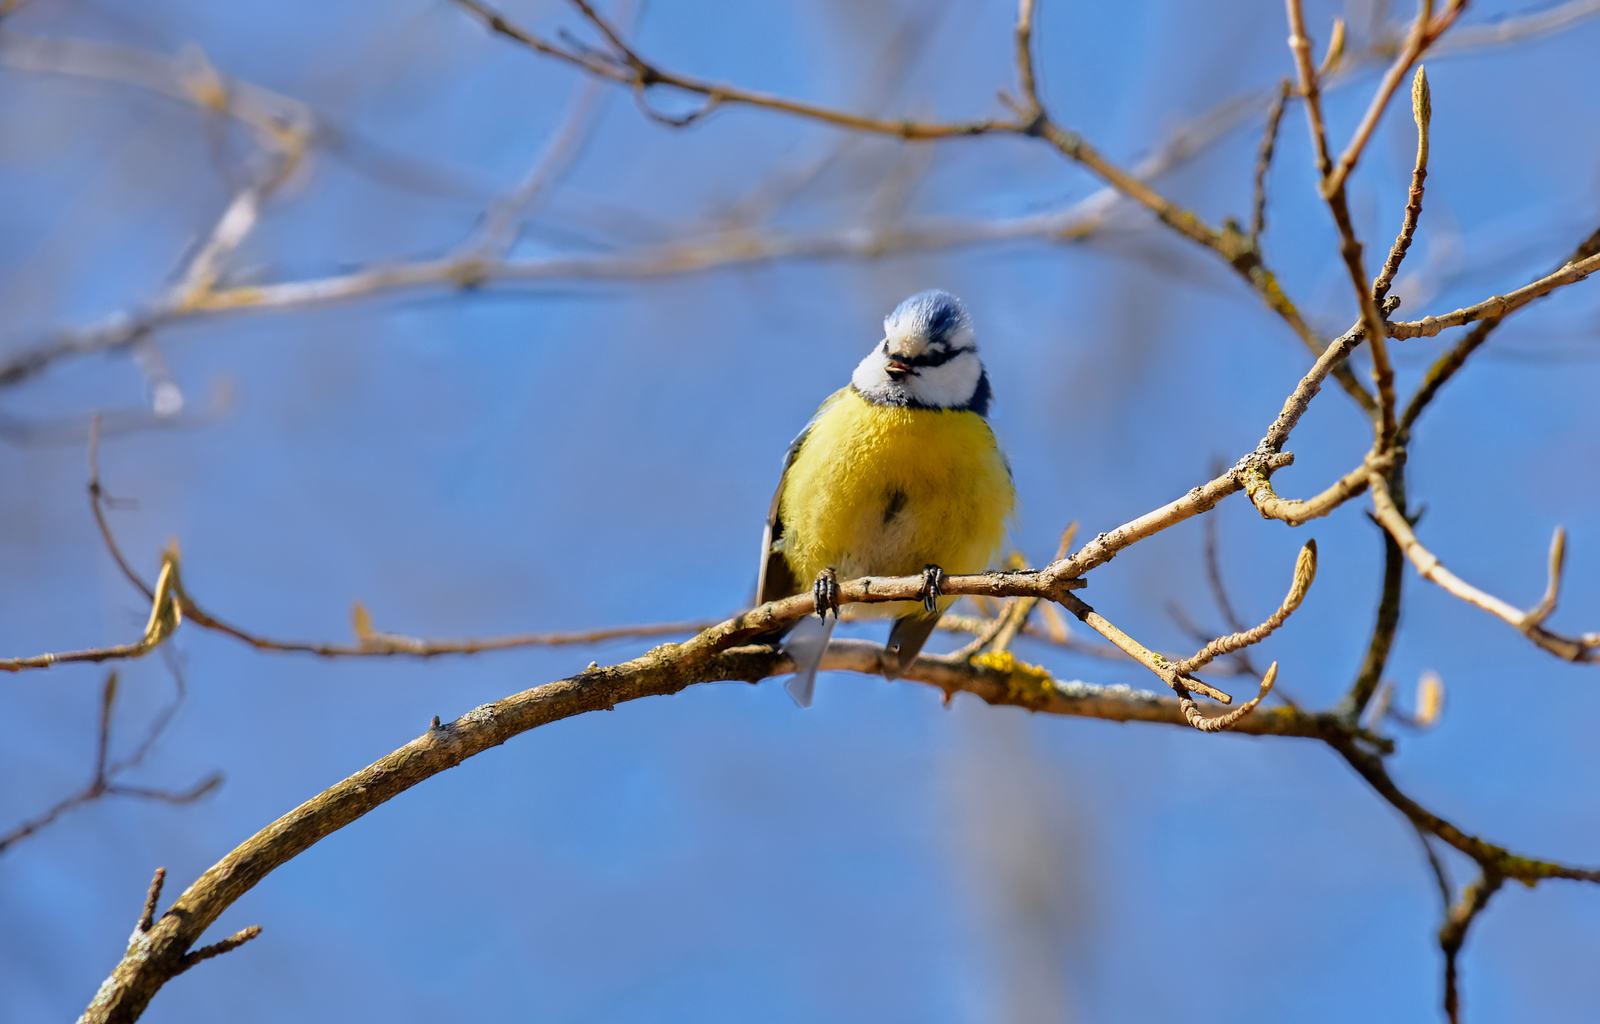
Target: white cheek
(949, 385)
(869, 376)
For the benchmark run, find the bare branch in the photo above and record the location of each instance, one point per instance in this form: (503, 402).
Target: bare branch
(165, 614)
(1349, 246)
(1386, 623)
(104, 773)
(1298, 513)
(1310, 88)
(156, 956)
(1193, 715)
(1558, 559)
(1299, 399)
(227, 945)
(1026, 82)
(1422, 114)
(1305, 571)
(1424, 31)
(1497, 306)
(1459, 918)
(1517, 27)
(635, 72)
(1269, 141)
(629, 68)
(1448, 364)
(148, 916)
(1584, 648)
(1512, 865)
(1164, 669)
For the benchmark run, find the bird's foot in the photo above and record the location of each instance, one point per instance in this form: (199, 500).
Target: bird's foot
(932, 587)
(825, 591)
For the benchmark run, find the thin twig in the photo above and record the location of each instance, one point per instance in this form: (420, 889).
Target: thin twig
(165, 614)
(1165, 670)
(1422, 114)
(147, 917)
(1583, 648)
(1030, 120)
(104, 773)
(1512, 865)
(1299, 399)
(1026, 82)
(1448, 364)
(1459, 918)
(1305, 571)
(1386, 622)
(1497, 306)
(227, 945)
(1269, 141)
(1424, 31)
(1193, 715)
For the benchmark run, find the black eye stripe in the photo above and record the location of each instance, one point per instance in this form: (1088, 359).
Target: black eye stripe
(938, 358)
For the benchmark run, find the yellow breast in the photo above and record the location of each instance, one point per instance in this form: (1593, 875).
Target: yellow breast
(885, 490)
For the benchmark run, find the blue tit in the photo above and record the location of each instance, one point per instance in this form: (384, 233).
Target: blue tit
(896, 474)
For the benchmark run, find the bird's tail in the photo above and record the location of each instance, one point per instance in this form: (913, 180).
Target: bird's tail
(805, 644)
(906, 638)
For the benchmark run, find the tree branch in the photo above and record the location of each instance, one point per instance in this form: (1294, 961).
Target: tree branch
(1582, 648)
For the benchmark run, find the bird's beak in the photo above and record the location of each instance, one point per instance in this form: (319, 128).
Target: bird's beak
(897, 369)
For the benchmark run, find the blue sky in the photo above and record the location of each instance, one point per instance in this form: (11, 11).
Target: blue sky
(580, 453)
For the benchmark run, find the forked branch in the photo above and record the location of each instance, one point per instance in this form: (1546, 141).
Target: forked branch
(1528, 623)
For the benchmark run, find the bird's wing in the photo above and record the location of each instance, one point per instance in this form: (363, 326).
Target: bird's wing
(775, 579)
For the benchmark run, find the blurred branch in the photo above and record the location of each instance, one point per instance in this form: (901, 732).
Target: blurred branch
(1386, 623)
(1269, 142)
(103, 779)
(1424, 31)
(188, 78)
(165, 614)
(1333, 177)
(496, 229)
(1516, 28)
(480, 260)
(1497, 858)
(283, 129)
(626, 66)
(1458, 918)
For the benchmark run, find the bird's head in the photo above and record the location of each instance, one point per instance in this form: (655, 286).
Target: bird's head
(928, 358)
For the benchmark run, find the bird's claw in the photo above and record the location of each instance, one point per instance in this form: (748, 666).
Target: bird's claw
(825, 592)
(932, 587)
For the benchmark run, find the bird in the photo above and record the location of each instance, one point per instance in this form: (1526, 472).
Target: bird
(897, 474)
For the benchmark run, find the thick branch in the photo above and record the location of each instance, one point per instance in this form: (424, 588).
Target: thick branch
(159, 953)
